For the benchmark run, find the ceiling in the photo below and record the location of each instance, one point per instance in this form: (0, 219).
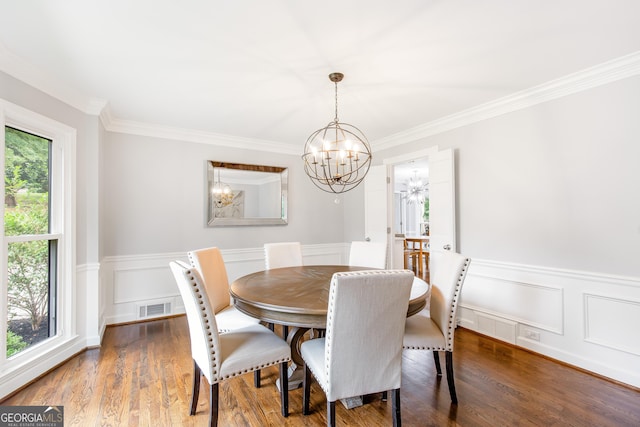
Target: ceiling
(258, 70)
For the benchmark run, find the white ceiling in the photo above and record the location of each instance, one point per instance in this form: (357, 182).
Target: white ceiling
(258, 69)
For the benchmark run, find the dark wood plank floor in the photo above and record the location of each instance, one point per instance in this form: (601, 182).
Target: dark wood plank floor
(142, 377)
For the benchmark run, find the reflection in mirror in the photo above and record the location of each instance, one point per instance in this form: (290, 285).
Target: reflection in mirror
(240, 194)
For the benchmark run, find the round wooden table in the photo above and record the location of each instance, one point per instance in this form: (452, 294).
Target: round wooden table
(297, 297)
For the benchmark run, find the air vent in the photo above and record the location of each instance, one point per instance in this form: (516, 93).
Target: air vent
(154, 310)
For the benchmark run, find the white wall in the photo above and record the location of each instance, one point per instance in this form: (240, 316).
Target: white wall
(155, 199)
(548, 206)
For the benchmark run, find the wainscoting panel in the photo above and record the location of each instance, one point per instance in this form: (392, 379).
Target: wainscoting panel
(130, 282)
(585, 319)
(137, 284)
(612, 322)
(530, 303)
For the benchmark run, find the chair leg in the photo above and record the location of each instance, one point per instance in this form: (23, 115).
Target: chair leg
(436, 358)
(452, 386)
(306, 386)
(331, 414)
(256, 378)
(284, 389)
(195, 393)
(395, 404)
(285, 332)
(213, 404)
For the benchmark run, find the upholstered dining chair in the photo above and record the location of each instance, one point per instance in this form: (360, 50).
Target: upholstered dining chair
(284, 254)
(218, 357)
(210, 265)
(281, 255)
(434, 329)
(361, 352)
(368, 254)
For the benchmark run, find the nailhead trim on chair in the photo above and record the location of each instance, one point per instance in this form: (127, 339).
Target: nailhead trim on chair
(451, 328)
(255, 368)
(214, 366)
(330, 312)
(456, 295)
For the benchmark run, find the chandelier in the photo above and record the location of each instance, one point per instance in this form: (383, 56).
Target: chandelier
(338, 156)
(222, 194)
(416, 190)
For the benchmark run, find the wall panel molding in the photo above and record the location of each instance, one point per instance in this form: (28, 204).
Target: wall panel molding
(133, 280)
(612, 322)
(585, 319)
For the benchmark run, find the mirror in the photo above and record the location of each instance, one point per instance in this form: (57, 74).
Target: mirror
(240, 194)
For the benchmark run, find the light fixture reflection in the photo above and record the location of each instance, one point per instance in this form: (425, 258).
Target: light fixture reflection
(222, 193)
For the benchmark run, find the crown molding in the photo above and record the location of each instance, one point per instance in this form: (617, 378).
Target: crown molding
(112, 124)
(607, 72)
(614, 70)
(17, 67)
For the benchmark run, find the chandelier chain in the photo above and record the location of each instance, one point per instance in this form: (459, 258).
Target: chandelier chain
(336, 118)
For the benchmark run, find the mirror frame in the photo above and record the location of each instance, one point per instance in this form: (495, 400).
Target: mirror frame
(283, 174)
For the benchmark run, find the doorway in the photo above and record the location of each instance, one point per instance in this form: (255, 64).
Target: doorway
(379, 203)
(411, 198)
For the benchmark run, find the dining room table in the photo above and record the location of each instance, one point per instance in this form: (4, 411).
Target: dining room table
(297, 299)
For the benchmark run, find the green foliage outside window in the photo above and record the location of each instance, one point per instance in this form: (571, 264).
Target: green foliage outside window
(26, 213)
(15, 344)
(425, 214)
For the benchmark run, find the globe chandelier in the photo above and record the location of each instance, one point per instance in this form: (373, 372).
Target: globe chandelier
(338, 156)
(416, 190)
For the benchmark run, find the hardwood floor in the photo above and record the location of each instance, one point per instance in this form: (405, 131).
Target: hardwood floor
(142, 377)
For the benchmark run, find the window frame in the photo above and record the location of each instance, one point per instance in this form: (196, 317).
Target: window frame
(36, 359)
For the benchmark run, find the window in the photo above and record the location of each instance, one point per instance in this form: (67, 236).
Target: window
(31, 247)
(37, 247)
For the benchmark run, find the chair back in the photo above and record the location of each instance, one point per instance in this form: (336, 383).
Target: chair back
(280, 255)
(213, 273)
(365, 325)
(368, 254)
(203, 329)
(446, 286)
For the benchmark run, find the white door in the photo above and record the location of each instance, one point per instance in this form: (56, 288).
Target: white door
(442, 213)
(376, 206)
(378, 201)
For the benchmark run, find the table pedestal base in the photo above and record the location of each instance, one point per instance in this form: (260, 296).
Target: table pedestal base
(296, 375)
(352, 402)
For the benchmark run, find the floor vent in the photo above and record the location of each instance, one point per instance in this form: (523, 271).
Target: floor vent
(153, 310)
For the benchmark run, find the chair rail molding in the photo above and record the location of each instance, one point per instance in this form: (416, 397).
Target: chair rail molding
(131, 281)
(572, 316)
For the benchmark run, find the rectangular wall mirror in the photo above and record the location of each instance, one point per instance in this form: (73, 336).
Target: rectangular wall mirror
(241, 194)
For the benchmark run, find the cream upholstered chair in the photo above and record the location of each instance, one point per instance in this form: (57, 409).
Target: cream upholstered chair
(210, 265)
(434, 329)
(368, 254)
(222, 356)
(280, 255)
(361, 352)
